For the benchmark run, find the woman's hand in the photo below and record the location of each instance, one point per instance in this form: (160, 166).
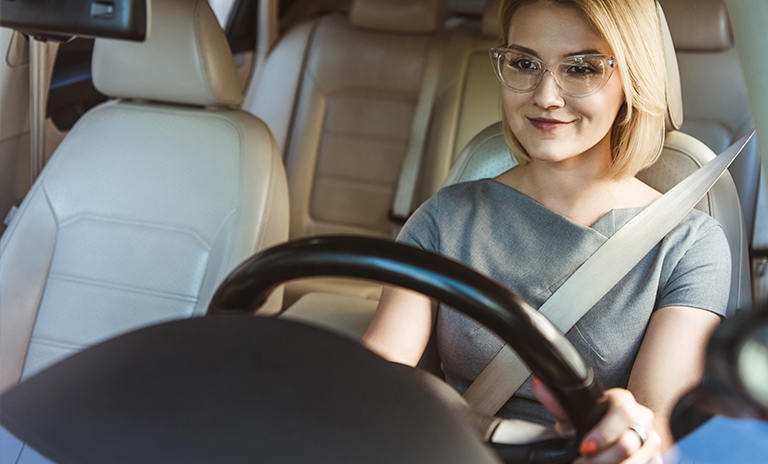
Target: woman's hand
(618, 437)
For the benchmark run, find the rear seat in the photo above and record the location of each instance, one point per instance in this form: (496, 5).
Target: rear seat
(340, 93)
(470, 100)
(357, 91)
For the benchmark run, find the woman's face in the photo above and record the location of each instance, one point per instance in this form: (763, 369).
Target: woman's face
(550, 125)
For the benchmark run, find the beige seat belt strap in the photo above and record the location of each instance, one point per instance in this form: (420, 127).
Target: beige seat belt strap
(266, 31)
(37, 59)
(409, 169)
(41, 56)
(598, 274)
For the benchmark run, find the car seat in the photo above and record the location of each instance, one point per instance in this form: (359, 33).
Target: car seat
(147, 204)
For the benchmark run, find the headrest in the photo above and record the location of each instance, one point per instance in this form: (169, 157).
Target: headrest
(399, 15)
(185, 60)
(674, 117)
(490, 26)
(698, 25)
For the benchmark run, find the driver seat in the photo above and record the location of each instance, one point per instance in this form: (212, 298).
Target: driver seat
(487, 155)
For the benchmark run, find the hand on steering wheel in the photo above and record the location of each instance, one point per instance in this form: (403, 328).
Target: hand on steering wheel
(625, 434)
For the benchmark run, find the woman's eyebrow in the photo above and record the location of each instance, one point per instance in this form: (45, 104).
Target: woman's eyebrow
(522, 49)
(589, 51)
(528, 51)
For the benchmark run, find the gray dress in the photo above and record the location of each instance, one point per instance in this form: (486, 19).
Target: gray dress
(531, 250)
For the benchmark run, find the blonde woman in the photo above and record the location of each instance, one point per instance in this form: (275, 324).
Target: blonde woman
(583, 90)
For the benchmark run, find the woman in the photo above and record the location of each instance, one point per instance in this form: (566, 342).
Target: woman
(584, 102)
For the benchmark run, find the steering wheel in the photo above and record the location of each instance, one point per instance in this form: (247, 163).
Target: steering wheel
(543, 348)
(245, 389)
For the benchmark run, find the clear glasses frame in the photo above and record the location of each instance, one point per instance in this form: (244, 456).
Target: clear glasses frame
(582, 75)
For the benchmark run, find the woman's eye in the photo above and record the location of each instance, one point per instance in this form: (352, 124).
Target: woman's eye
(524, 65)
(580, 69)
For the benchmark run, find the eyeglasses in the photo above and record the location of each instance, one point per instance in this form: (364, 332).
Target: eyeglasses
(577, 75)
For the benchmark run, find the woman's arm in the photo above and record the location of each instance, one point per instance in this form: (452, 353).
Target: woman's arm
(401, 327)
(671, 361)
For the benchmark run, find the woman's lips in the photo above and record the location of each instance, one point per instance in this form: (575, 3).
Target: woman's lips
(546, 124)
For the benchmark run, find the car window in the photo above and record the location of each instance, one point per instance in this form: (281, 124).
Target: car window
(222, 9)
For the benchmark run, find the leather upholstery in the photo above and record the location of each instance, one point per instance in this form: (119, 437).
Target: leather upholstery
(715, 97)
(185, 60)
(674, 90)
(143, 209)
(398, 15)
(350, 123)
(698, 25)
(340, 94)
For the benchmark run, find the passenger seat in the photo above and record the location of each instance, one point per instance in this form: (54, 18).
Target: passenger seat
(148, 203)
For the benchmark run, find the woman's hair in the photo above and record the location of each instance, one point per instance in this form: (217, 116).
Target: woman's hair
(632, 30)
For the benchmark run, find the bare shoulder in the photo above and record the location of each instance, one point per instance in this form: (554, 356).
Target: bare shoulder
(636, 193)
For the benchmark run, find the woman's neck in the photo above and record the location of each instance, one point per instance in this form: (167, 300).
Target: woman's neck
(577, 191)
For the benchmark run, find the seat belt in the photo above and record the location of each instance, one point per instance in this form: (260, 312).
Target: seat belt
(599, 274)
(40, 69)
(409, 170)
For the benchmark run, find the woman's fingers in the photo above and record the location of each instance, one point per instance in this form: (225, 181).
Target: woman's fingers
(626, 450)
(624, 435)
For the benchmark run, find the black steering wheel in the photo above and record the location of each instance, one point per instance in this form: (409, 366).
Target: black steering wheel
(256, 389)
(543, 348)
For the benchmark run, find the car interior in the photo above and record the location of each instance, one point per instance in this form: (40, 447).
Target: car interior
(239, 125)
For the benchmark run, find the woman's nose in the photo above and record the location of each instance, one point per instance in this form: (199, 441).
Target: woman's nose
(547, 94)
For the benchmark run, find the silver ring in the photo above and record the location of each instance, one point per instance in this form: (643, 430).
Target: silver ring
(641, 433)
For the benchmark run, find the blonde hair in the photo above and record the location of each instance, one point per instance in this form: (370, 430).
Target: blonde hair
(632, 29)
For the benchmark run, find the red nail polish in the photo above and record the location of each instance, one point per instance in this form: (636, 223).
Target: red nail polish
(588, 447)
(535, 382)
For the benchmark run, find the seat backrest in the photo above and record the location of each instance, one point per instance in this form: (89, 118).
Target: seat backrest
(347, 129)
(488, 155)
(147, 204)
(470, 100)
(714, 93)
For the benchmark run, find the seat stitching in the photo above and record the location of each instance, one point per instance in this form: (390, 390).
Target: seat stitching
(128, 288)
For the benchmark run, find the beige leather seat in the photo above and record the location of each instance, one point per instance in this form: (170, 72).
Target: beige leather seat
(471, 101)
(147, 204)
(717, 111)
(356, 96)
(714, 93)
(340, 93)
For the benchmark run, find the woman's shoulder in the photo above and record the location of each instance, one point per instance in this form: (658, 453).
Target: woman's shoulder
(700, 223)
(475, 192)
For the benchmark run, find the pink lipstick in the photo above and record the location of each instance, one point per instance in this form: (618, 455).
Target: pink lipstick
(547, 124)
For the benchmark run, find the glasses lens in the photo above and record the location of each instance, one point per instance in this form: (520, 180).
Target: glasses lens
(581, 75)
(518, 71)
